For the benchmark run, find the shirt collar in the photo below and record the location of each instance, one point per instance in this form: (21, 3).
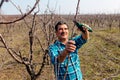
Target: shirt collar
(57, 42)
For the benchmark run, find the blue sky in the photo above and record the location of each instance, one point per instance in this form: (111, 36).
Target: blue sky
(64, 6)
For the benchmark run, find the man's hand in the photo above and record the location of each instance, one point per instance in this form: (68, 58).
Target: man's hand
(85, 35)
(70, 46)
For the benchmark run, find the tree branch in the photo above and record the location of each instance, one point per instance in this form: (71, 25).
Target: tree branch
(26, 14)
(8, 49)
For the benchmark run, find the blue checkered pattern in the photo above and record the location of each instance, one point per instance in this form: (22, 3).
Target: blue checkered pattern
(73, 71)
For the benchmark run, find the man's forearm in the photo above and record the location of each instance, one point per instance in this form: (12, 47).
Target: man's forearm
(62, 56)
(85, 35)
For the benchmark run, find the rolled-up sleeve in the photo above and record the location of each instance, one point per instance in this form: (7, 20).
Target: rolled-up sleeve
(79, 41)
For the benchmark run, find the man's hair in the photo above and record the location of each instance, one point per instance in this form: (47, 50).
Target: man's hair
(59, 23)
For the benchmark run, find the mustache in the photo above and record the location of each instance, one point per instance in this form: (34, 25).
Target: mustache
(62, 33)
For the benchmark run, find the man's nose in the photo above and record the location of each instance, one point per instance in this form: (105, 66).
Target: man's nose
(63, 30)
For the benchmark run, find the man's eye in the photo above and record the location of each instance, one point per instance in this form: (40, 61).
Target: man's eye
(60, 29)
(66, 28)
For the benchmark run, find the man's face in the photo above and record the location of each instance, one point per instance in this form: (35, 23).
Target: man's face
(62, 32)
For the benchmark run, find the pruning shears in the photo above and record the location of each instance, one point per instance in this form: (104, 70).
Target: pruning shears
(82, 25)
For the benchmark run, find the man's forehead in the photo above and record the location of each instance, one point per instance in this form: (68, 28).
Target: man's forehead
(62, 26)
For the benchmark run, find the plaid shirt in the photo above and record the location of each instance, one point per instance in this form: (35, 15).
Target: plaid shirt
(73, 71)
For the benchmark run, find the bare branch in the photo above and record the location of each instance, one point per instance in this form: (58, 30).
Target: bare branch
(8, 49)
(1, 3)
(26, 14)
(75, 17)
(40, 43)
(77, 8)
(43, 64)
(31, 36)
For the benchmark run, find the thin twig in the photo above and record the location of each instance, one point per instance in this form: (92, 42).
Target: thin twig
(21, 18)
(75, 17)
(8, 49)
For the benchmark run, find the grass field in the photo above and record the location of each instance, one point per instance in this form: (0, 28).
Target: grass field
(100, 57)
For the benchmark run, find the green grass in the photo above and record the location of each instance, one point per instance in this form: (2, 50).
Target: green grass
(99, 58)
